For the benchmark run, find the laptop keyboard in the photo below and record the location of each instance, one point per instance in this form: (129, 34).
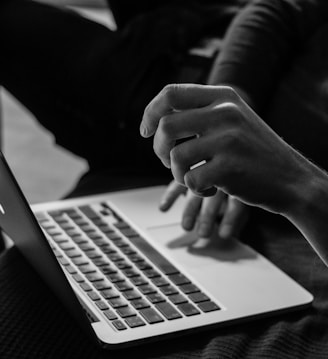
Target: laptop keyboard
(128, 280)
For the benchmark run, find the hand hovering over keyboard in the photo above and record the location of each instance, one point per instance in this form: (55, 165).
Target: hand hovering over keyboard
(229, 147)
(221, 212)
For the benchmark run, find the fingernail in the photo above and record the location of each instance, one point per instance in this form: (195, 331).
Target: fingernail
(187, 223)
(203, 230)
(225, 231)
(143, 131)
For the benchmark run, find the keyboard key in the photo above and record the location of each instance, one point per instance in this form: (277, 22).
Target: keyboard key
(134, 322)
(151, 315)
(135, 257)
(89, 212)
(121, 225)
(78, 278)
(147, 289)
(101, 305)
(128, 251)
(70, 269)
(151, 273)
(80, 261)
(208, 306)
(87, 268)
(128, 232)
(153, 255)
(125, 312)
(198, 297)
(188, 309)
(115, 277)
(112, 235)
(79, 239)
(60, 238)
(160, 281)
(86, 287)
(168, 290)
(109, 293)
(179, 279)
(117, 302)
(101, 285)
(189, 288)
(143, 265)
(93, 295)
(131, 294)
(115, 257)
(120, 243)
(95, 236)
(99, 262)
(110, 314)
(108, 249)
(123, 265)
(86, 247)
(155, 298)
(129, 272)
(93, 254)
(63, 261)
(140, 303)
(178, 299)
(138, 280)
(93, 277)
(73, 253)
(118, 325)
(108, 269)
(168, 311)
(123, 286)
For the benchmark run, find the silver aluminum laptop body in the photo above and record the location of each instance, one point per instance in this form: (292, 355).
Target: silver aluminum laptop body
(233, 282)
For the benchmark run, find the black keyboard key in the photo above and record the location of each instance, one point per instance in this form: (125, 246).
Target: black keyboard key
(168, 290)
(151, 315)
(123, 286)
(73, 233)
(120, 243)
(115, 277)
(189, 288)
(151, 273)
(143, 265)
(155, 298)
(87, 268)
(168, 311)
(88, 229)
(119, 325)
(86, 287)
(63, 261)
(95, 236)
(138, 280)
(79, 239)
(99, 262)
(128, 251)
(198, 297)
(102, 305)
(110, 314)
(153, 255)
(178, 299)
(80, 261)
(93, 254)
(188, 309)
(113, 235)
(179, 279)
(125, 312)
(93, 277)
(121, 225)
(108, 269)
(140, 303)
(160, 281)
(73, 253)
(134, 322)
(60, 239)
(131, 294)
(93, 295)
(86, 247)
(78, 278)
(70, 269)
(123, 265)
(128, 232)
(101, 285)
(117, 302)
(115, 257)
(130, 272)
(109, 293)
(147, 289)
(89, 212)
(208, 306)
(135, 257)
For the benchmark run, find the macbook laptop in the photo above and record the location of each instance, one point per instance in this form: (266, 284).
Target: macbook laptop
(129, 273)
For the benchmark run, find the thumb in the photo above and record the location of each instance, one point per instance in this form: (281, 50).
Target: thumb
(178, 97)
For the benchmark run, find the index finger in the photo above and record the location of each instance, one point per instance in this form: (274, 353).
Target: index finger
(177, 97)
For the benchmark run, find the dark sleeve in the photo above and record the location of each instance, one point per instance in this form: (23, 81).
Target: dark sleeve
(261, 43)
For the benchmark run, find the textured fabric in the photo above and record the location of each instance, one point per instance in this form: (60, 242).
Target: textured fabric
(33, 324)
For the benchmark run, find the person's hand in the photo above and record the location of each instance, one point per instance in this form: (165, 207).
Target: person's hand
(220, 212)
(228, 146)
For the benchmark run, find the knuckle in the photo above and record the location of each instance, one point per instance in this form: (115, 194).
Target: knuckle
(176, 155)
(169, 91)
(165, 126)
(231, 93)
(192, 182)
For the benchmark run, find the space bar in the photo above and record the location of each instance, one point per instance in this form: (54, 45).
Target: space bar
(153, 255)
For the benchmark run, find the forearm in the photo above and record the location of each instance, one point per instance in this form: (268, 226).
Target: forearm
(261, 42)
(309, 211)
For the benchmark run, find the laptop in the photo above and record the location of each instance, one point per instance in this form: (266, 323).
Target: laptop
(129, 273)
